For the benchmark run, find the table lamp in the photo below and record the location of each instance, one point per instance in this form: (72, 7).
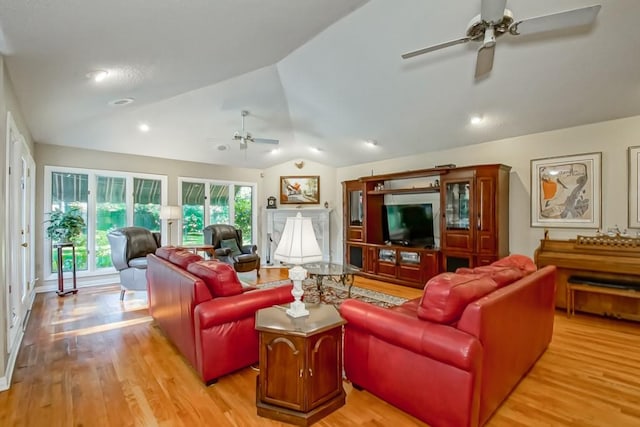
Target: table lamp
(171, 214)
(297, 246)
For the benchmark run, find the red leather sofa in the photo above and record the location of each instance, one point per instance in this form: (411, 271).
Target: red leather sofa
(451, 357)
(202, 307)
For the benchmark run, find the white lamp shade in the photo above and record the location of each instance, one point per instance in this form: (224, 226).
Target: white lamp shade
(298, 244)
(170, 212)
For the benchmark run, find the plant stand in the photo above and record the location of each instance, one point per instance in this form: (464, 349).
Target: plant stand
(60, 246)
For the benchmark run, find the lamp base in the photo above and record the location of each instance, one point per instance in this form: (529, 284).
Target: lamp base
(297, 309)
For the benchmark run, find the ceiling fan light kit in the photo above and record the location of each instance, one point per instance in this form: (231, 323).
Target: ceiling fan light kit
(245, 137)
(495, 20)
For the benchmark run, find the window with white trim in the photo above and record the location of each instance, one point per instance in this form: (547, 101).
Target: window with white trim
(107, 200)
(224, 202)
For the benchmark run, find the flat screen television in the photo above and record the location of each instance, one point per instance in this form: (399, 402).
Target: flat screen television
(409, 225)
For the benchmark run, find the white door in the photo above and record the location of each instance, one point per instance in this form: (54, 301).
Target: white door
(21, 253)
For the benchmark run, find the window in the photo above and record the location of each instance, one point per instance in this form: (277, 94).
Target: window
(224, 203)
(108, 200)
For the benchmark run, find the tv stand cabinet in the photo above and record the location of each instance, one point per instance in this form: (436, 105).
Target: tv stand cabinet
(405, 265)
(474, 221)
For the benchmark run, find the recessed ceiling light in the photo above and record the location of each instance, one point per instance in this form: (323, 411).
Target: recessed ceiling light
(223, 147)
(275, 151)
(143, 127)
(371, 142)
(98, 75)
(121, 102)
(316, 149)
(476, 120)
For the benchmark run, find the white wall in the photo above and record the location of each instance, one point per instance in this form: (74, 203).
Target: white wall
(8, 103)
(330, 192)
(612, 138)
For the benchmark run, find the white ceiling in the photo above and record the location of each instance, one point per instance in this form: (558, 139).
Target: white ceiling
(313, 73)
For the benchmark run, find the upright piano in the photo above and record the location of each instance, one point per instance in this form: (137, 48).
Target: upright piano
(607, 267)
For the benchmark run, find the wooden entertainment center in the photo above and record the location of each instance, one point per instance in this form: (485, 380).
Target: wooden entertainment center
(472, 207)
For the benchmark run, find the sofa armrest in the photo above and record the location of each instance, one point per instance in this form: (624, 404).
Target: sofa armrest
(223, 310)
(440, 342)
(222, 252)
(249, 249)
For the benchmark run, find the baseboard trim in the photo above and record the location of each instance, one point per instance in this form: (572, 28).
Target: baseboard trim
(5, 380)
(88, 282)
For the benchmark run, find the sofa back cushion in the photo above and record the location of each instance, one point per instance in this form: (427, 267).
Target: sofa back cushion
(220, 278)
(521, 262)
(503, 276)
(165, 252)
(183, 258)
(447, 295)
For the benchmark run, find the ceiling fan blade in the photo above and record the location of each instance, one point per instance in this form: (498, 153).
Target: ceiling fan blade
(492, 11)
(265, 141)
(556, 21)
(484, 62)
(435, 47)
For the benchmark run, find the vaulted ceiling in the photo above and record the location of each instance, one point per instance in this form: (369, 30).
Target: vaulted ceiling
(321, 76)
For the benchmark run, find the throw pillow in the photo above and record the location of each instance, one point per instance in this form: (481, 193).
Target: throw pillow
(231, 244)
(220, 278)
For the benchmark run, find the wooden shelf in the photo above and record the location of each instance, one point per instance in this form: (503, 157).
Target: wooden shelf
(406, 190)
(408, 174)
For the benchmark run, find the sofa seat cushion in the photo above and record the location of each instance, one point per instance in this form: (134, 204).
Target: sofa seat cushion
(246, 258)
(521, 262)
(183, 258)
(140, 262)
(448, 294)
(220, 278)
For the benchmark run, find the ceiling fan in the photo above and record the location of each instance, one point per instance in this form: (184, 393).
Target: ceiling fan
(245, 137)
(495, 20)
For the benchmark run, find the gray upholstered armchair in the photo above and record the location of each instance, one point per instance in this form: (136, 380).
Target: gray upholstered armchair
(228, 247)
(129, 249)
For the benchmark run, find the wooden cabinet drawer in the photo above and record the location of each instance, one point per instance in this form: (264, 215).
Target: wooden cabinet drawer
(386, 269)
(459, 241)
(354, 234)
(412, 273)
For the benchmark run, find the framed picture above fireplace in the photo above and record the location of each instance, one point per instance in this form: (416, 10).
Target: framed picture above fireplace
(300, 190)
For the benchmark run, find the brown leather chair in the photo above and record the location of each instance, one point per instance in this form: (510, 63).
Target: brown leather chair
(228, 247)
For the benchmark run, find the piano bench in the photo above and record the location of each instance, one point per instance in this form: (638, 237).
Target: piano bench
(598, 286)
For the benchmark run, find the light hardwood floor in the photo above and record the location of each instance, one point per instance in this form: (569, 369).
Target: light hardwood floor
(91, 360)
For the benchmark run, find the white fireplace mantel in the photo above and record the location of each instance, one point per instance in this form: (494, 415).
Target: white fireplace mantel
(273, 225)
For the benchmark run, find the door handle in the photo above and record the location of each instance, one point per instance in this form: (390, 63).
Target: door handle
(25, 245)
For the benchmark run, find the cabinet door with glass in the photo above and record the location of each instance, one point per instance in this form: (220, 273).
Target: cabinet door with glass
(354, 214)
(456, 208)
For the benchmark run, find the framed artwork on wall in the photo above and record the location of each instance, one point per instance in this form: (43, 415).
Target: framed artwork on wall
(566, 191)
(300, 190)
(633, 168)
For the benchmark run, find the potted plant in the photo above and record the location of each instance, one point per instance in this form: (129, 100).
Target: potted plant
(65, 226)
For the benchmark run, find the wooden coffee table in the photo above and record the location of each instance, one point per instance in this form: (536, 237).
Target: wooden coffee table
(300, 377)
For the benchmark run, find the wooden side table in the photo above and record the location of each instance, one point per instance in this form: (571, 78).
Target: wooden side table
(300, 377)
(60, 247)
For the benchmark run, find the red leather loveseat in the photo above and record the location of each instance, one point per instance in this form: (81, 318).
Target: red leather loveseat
(202, 307)
(451, 357)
